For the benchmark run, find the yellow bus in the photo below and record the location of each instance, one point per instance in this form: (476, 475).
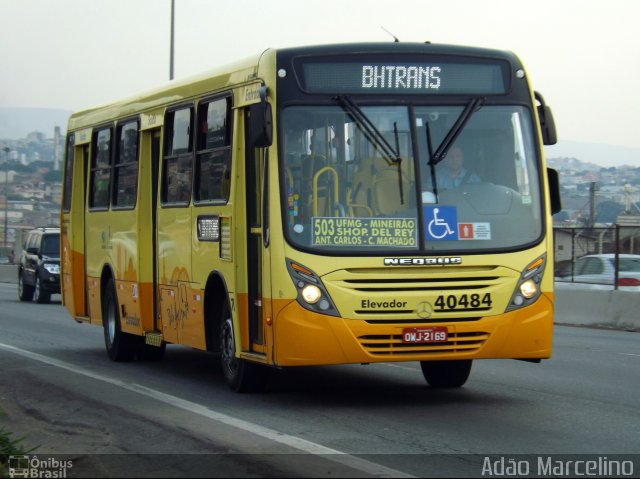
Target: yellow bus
(333, 204)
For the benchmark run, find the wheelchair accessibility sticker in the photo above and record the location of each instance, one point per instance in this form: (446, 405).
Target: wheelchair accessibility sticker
(441, 223)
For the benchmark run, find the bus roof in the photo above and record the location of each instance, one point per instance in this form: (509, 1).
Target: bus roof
(172, 92)
(245, 71)
(398, 47)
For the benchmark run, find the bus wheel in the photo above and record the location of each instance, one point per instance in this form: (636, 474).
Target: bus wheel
(446, 374)
(120, 346)
(241, 376)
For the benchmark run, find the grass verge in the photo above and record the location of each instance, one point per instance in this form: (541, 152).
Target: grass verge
(9, 446)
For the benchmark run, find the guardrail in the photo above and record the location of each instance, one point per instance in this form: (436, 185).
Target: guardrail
(582, 305)
(8, 273)
(574, 304)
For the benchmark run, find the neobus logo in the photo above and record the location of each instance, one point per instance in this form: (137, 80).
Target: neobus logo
(422, 261)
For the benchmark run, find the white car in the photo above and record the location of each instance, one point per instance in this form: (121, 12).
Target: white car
(601, 268)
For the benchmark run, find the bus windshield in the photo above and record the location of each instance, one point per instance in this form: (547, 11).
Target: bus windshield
(370, 185)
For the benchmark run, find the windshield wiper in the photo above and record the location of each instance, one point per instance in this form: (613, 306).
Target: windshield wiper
(374, 135)
(436, 157)
(432, 165)
(370, 130)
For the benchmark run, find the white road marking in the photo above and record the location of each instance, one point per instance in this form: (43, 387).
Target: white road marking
(293, 442)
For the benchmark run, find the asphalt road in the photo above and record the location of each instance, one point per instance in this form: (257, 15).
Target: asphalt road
(177, 418)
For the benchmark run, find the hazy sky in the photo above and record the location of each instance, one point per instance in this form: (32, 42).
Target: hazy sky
(582, 55)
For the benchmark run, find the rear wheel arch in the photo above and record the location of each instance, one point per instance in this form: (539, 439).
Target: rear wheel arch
(105, 277)
(216, 299)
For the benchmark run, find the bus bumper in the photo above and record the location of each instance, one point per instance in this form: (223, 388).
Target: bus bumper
(304, 338)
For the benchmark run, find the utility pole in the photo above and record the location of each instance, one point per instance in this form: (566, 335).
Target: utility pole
(6, 197)
(592, 204)
(56, 148)
(173, 27)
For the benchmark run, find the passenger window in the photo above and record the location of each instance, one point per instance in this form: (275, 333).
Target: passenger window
(50, 244)
(100, 169)
(593, 266)
(178, 161)
(35, 242)
(28, 242)
(126, 167)
(68, 174)
(213, 157)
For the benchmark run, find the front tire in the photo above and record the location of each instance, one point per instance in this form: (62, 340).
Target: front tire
(25, 291)
(41, 296)
(121, 347)
(241, 376)
(446, 374)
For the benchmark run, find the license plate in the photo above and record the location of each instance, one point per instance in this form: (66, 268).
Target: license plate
(436, 334)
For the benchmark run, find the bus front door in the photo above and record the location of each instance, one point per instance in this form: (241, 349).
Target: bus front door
(76, 236)
(258, 255)
(148, 239)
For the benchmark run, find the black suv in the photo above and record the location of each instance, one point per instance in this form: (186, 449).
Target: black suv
(39, 268)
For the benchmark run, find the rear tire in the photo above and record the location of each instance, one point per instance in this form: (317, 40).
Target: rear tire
(241, 376)
(25, 291)
(446, 374)
(121, 347)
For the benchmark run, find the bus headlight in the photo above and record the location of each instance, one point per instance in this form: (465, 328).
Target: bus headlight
(312, 294)
(528, 288)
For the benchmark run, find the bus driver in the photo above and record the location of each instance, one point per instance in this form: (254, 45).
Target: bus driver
(454, 173)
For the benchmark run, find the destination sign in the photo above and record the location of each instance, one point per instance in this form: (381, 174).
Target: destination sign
(365, 232)
(438, 77)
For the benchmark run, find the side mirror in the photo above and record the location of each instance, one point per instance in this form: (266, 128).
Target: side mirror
(547, 123)
(261, 122)
(554, 191)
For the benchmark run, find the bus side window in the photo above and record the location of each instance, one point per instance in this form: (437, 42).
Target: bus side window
(68, 174)
(101, 169)
(178, 157)
(213, 151)
(125, 176)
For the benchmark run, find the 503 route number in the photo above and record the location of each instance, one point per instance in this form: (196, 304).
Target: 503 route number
(463, 302)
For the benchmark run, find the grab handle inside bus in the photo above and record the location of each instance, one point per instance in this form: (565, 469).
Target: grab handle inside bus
(261, 122)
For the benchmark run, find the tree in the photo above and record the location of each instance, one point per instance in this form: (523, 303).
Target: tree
(52, 176)
(608, 211)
